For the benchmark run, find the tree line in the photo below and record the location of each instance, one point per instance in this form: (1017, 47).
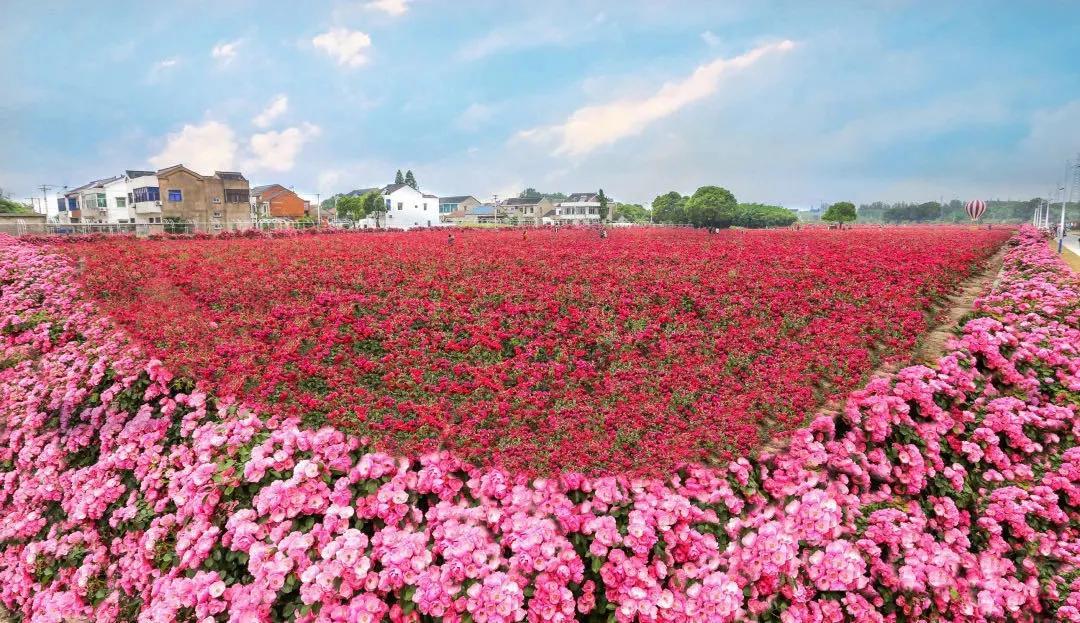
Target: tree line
(714, 206)
(955, 211)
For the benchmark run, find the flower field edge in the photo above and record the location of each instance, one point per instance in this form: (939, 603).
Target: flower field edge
(947, 493)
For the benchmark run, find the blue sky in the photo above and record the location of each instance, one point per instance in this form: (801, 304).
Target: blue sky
(782, 102)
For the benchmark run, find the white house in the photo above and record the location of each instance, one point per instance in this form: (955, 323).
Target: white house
(578, 209)
(116, 202)
(129, 198)
(144, 197)
(406, 208)
(88, 203)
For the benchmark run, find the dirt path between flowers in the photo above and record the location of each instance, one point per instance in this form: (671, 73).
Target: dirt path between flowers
(931, 346)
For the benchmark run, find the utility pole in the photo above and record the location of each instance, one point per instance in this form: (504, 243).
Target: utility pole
(495, 208)
(318, 210)
(45, 188)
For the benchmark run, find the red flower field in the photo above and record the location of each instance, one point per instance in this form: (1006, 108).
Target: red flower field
(560, 351)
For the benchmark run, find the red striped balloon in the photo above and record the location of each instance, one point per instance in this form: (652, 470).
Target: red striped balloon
(975, 208)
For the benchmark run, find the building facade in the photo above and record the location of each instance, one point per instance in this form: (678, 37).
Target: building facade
(578, 209)
(276, 201)
(406, 208)
(526, 211)
(204, 202)
(144, 197)
(449, 205)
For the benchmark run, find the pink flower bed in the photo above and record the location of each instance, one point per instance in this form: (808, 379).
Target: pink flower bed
(947, 493)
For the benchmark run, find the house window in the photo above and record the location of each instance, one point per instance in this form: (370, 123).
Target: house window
(216, 200)
(217, 214)
(101, 201)
(238, 195)
(147, 193)
(175, 195)
(400, 206)
(73, 203)
(121, 202)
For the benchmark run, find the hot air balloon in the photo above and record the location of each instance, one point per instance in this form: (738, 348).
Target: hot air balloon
(975, 208)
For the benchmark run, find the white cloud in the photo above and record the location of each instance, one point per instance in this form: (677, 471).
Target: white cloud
(710, 38)
(225, 52)
(514, 38)
(597, 125)
(277, 107)
(203, 148)
(161, 67)
(347, 47)
(475, 116)
(390, 7)
(277, 151)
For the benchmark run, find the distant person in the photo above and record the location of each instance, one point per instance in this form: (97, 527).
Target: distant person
(450, 240)
(524, 234)
(603, 232)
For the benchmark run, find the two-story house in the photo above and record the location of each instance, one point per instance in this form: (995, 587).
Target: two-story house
(578, 209)
(276, 201)
(89, 203)
(449, 205)
(406, 208)
(525, 211)
(144, 197)
(205, 202)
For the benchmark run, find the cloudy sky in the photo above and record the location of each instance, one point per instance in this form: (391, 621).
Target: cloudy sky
(782, 102)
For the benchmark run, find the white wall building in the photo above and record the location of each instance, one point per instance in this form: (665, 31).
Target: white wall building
(406, 208)
(144, 196)
(578, 209)
(129, 198)
(116, 202)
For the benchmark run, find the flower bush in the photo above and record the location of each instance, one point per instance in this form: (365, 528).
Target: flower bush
(944, 493)
(560, 351)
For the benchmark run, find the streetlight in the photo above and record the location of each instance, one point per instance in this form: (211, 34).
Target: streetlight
(1064, 201)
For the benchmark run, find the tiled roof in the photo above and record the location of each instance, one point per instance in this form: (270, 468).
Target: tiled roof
(93, 184)
(456, 199)
(523, 201)
(132, 173)
(229, 175)
(581, 197)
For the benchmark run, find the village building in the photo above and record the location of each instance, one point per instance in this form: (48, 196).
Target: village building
(276, 201)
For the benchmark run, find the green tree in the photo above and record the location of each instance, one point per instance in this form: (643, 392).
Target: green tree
(350, 207)
(711, 206)
(373, 204)
(603, 205)
(631, 212)
(842, 212)
(10, 206)
(669, 208)
(410, 180)
(757, 215)
(531, 193)
(327, 205)
(399, 178)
